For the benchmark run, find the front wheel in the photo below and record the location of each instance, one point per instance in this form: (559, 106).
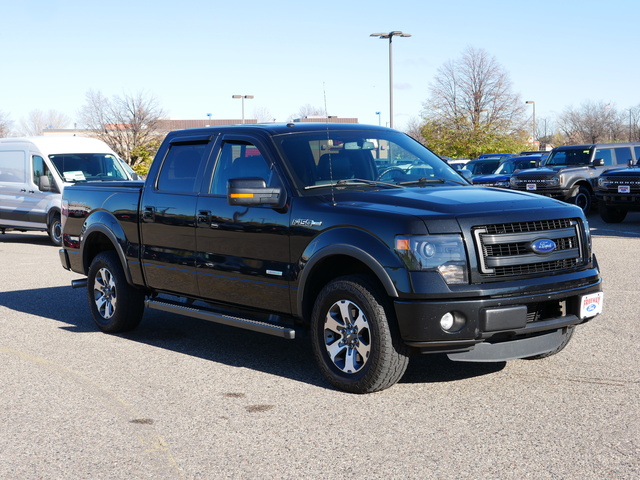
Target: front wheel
(610, 214)
(564, 343)
(115, 305)
(581, 197)
(355, 339)
(54, 230)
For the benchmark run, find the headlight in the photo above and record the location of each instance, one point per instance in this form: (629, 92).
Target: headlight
(444, 254)
(555, 181)
(603, 182)
(513, 181)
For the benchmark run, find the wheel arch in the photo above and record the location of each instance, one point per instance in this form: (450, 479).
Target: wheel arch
(336, 256)
(99, 237)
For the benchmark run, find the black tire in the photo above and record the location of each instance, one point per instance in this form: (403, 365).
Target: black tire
(611, 214)
(560, 347)
(54, 230)
(115, 305)
(581, 197)
(355, 339)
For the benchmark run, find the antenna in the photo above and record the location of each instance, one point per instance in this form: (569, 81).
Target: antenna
(326, 112)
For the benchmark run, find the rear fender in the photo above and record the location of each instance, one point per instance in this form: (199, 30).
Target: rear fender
(102, 231)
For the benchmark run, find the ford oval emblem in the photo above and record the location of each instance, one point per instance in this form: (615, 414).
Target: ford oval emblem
(543, 245)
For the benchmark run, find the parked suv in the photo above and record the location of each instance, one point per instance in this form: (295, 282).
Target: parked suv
(618, 192)
(571, 172)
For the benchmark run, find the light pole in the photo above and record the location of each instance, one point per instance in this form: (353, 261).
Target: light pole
(534, 120)
(242, 97)
(390, 36)
(379, 122)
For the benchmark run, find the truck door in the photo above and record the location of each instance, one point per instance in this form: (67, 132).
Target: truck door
(167, 217)
(243, 252)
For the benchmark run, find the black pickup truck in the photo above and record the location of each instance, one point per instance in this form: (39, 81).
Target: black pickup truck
(356, 235)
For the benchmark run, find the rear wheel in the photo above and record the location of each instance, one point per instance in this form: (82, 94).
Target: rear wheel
(115, 305)
(610, 214)
(355, 339)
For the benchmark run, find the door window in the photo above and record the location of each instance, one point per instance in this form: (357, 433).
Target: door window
(42, 176)
(240, 160)
(606, 154)
(179, 172)
(623, 155)
(12, 167)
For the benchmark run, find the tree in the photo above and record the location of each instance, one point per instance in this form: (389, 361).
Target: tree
(5, 124)
(634, 124)
(308, 111)
(263, 115)
(127, 124)
(471, 108)
(37, 121)
(592, 122)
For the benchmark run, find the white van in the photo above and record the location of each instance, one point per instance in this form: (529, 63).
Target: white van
(34, 170)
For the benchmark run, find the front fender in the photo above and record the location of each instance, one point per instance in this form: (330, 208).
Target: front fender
(360, 245)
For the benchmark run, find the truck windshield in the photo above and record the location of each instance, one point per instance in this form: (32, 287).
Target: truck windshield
(82, 167)
(325, 158)
(575, 156)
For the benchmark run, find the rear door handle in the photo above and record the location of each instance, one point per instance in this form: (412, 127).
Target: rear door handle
(204, 217)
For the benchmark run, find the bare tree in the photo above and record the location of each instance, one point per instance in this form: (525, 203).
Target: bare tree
(308, 110)
(474, 93)
(5, 124)
(634, 124)
(592, 122)
(127, 124)
(472, 109)
(37, 121)
(263, 115)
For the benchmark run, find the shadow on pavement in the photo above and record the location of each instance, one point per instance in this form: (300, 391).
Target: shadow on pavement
(219, 343)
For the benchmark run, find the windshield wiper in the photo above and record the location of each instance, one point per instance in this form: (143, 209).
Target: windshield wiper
(431, 180)
(354, 182)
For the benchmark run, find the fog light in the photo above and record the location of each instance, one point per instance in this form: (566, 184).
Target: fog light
(447, 321)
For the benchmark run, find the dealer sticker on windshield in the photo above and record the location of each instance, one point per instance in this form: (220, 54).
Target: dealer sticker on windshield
(624, 189)
(531, 186)
(591, 305)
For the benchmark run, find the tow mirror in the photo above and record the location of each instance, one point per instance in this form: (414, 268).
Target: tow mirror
(254, 191)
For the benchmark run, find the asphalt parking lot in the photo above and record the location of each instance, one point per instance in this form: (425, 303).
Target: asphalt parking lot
(181, 398)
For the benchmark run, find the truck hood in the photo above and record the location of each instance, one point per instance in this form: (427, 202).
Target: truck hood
(447, 201)
(548, 170)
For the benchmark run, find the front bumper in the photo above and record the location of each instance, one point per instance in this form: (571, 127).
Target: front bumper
(626, 201)
(493, 321)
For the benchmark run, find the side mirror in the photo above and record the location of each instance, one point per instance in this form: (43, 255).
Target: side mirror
(598, 162)
(45, 184)
(254, 191)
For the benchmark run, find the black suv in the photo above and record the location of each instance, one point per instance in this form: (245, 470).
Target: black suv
(618, 192)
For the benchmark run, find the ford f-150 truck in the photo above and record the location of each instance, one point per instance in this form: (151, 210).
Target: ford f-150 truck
(356, 235)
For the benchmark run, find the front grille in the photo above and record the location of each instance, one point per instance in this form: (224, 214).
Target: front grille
(539, 181)
(612, 184)
(515, 249)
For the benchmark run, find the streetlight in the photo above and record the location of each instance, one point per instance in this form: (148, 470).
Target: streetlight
(379, 123)
(390, 36)
(242, 97)
(534, 119)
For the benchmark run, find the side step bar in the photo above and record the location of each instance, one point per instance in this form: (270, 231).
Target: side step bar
(212, 316)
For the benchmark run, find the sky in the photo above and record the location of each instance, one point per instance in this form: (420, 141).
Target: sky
(193, 55)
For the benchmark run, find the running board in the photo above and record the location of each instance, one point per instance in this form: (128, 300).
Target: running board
(212, 316)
